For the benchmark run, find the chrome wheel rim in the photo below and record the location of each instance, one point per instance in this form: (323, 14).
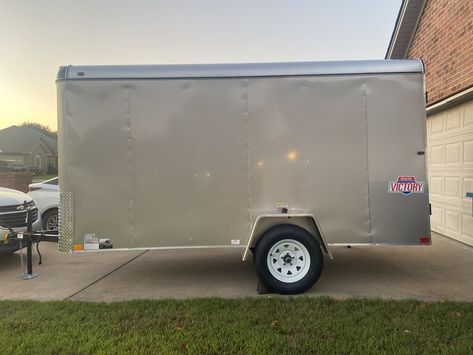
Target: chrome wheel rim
(52, 223)
(288, 261)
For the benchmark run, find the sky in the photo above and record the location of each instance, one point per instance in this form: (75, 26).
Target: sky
(38, 36)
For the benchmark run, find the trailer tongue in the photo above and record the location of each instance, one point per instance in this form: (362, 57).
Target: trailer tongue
(27, 239)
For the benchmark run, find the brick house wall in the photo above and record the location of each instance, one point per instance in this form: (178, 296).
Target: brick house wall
(16, 181)
(444, 40)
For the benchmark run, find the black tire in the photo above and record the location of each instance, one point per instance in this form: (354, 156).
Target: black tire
(48, 217)
(272, 238)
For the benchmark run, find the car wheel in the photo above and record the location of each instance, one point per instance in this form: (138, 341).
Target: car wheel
(288, 259)
(51, 220)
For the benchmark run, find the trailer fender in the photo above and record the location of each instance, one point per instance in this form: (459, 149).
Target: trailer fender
(304, 220)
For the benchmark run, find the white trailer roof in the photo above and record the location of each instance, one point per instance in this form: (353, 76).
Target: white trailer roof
(239, 70)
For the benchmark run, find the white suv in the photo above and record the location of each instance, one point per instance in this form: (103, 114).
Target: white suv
(13, 216)
(46, 196)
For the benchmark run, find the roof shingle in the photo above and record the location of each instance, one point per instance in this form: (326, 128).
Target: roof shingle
(21, 139)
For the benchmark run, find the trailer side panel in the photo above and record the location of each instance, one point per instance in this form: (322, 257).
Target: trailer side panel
(170, 161)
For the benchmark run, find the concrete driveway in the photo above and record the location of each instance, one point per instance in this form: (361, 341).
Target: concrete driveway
(439, 272)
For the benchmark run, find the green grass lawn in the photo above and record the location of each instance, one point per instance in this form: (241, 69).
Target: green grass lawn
(260, 325)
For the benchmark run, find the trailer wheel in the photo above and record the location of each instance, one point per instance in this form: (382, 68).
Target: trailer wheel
(288, 259)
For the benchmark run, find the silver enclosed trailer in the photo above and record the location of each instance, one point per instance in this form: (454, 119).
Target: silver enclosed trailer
(282, 159)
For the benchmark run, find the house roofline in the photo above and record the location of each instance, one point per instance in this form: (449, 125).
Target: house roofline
(51, 151)
(405, 28)
(392, 40)
(450, 101)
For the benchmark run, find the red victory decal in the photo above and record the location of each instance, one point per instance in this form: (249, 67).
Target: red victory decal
(406, 185)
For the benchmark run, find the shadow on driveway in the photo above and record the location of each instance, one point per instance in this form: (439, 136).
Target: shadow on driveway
(439, 272)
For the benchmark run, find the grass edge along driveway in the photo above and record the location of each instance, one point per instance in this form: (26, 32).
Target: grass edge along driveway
(253, 325)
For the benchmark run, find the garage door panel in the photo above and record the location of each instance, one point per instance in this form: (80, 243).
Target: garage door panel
(436, 185)
(436, 125)
(450, 169)
(467, 187)
(437, 217)
(468, 114)
(468, 152)
(467, 225)
(436, 154)
(453, 153)
(452, 221)
(453, 119)
(452, 187)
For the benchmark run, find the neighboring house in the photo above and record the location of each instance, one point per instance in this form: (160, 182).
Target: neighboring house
(441, 33)
(28, 146)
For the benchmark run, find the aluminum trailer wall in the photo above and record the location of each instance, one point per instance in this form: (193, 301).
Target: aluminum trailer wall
(190, 156)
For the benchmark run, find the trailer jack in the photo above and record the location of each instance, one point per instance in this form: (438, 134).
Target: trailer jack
(29, 237)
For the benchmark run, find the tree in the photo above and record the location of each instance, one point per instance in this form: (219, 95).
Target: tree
(41, 128)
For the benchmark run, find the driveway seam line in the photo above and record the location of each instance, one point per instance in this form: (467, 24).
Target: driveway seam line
(104, 276)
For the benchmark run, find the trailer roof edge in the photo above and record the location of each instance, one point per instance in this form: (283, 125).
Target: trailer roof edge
(239, 70)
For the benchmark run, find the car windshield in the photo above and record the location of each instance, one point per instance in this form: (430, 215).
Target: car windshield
(53, 181)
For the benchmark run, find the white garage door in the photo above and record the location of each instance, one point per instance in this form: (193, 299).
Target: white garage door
(450, 169)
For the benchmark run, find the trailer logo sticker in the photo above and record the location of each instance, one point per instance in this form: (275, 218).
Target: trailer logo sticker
(406, 185)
